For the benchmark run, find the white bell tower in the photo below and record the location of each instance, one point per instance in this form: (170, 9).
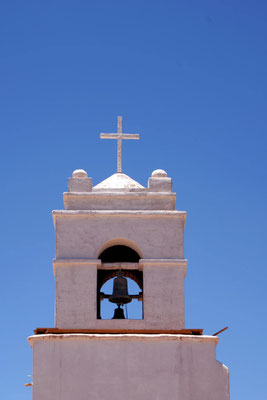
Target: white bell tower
(121, 230)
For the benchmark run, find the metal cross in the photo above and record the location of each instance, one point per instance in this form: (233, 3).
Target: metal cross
(119, 136)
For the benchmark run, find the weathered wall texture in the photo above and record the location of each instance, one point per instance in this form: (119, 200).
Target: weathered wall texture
(111, 213)
(119, 201)
(82, 234)
(163, 301)
(112, 367)
(130, 367)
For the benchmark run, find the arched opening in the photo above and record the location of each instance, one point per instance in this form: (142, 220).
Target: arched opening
(132, 310)
(119, 253)
(130, 304)
(120, 241)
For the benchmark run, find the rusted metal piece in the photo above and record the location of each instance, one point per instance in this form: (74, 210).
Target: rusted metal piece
(217, 333)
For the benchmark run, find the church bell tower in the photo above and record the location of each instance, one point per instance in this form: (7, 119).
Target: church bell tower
(121, 245)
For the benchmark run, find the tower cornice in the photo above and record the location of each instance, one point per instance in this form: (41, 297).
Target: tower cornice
(118, 213)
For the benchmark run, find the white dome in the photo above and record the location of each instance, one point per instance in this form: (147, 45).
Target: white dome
(79, 173)
(159, 173)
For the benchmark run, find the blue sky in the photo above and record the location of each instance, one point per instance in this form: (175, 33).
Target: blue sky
(190, 77)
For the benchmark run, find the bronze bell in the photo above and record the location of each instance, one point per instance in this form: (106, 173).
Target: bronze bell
(120, 293)
(118, 313)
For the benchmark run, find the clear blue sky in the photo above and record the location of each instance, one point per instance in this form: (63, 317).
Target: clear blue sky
(190, 77)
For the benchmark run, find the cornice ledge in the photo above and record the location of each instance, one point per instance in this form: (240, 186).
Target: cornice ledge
(119, 194)
(105, 213)
(77, 262)
(164, 262)
(127, 337)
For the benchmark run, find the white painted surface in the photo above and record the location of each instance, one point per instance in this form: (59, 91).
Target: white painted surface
(80, 185)
(160, 185)
(163, 297)
(118, 181)
(159, 173)
(132, 367)
(82, 234)
(75, 305)
(82, 198)
(79, 173)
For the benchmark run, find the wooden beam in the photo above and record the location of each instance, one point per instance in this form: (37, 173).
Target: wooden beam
(58, 331)
(222, 330)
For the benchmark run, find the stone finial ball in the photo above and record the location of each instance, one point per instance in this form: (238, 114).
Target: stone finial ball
(159, 173)
(79, 173)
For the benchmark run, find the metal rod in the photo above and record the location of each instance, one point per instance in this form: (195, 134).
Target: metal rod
(217, 333)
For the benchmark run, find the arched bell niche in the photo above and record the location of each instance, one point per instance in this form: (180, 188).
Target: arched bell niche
(119, 253)
(119, 261)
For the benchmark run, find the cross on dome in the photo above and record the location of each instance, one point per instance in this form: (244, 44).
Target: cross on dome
(119, 136)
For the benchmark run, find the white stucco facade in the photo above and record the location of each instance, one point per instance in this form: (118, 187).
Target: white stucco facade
(132, 367)
(76, 296)
(119, 211)
(84, 366)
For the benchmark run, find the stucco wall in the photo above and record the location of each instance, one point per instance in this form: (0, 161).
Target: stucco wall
(82, 234)
(75, 305)
(163, 297)
(132, 367)
(119, 201)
